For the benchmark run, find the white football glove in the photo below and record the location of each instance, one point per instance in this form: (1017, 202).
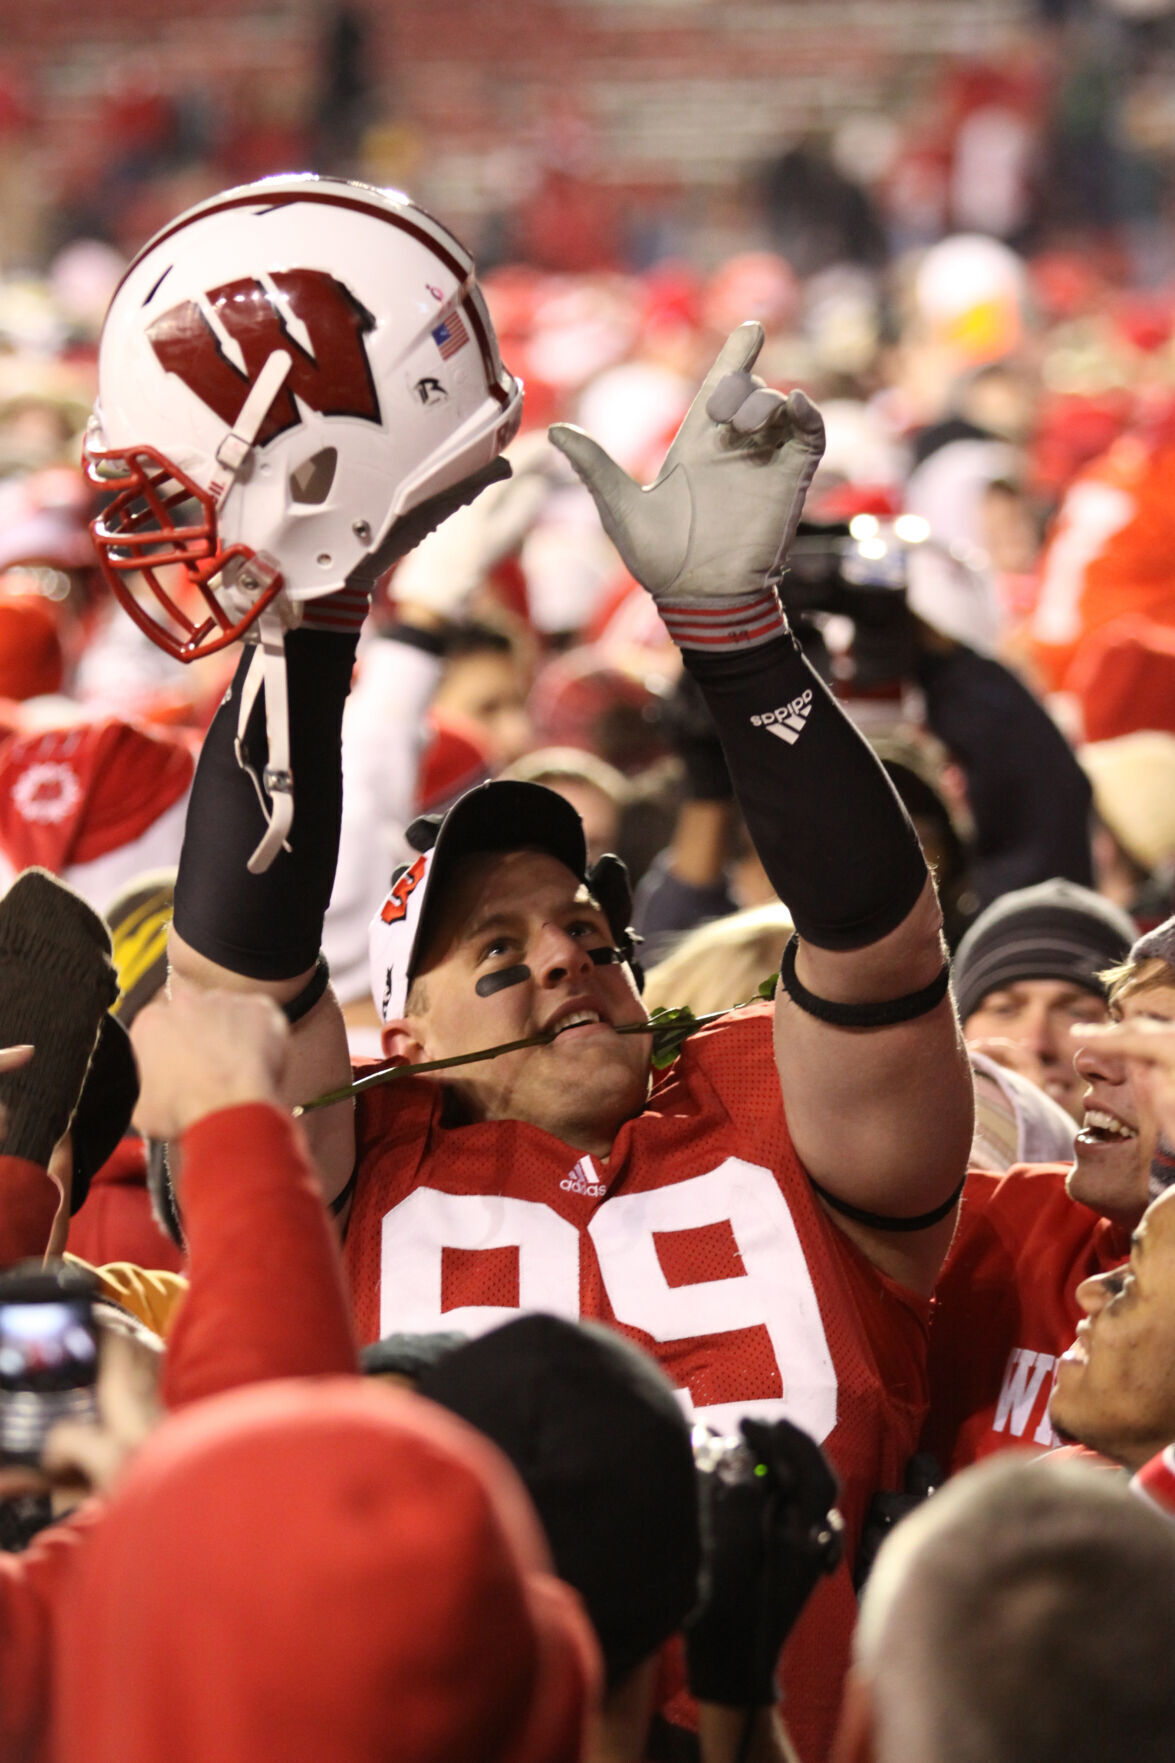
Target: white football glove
(709, 537)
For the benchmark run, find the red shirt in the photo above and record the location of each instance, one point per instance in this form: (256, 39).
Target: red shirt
(1110, 553)
(1006, 1309)
(700, 1239)
(252, 1210)
(115, 1221)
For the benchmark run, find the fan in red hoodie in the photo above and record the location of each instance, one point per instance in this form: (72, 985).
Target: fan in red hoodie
(210, 1069)
(322, 1573)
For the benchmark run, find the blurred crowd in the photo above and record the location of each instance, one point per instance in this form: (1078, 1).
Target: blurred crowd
(879, 723)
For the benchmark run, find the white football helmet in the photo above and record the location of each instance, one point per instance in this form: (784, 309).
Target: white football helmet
(284, 372)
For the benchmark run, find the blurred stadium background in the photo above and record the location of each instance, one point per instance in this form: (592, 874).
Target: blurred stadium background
(941, 209)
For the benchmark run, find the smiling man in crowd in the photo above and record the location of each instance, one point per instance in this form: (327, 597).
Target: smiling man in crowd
(1115, 1387)
(1008, 1300)
(1029, 969)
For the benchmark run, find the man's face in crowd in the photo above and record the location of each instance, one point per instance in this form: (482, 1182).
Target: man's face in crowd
(1111, 1170)
(488, 688)
(601, 820)
(525, 909)
(1036, 1016)
(1115, 1387)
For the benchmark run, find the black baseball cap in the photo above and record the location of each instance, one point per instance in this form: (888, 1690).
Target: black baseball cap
(603, 1448)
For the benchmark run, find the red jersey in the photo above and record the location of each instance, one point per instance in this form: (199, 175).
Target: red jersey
(115, 1222)
(1005, 1309)
(1111, 552)
(700, 1238)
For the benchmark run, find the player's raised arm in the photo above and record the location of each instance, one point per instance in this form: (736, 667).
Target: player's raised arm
(297, 381)
(874, 1079)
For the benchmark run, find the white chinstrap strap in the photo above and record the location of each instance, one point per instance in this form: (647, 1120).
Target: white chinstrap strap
(238, 443)
(275, 786)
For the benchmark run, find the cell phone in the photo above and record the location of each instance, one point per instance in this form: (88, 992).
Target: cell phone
(48, 1355)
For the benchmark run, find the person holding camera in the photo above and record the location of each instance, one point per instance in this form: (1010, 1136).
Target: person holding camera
(656, 1527)
(211, 1067)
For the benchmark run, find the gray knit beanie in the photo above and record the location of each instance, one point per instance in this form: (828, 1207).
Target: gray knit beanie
(1055, 930)
(1157, 945)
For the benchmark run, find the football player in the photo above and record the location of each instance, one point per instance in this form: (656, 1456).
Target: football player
(767, 1215)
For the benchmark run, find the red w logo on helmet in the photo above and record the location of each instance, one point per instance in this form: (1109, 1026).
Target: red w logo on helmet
(332, 376)
(396, 904)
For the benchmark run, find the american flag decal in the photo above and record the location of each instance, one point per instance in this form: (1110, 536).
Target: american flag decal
(450, 336)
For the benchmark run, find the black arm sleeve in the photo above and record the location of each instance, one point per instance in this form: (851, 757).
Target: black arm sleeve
(1029, 797)
(268, 926)
(837, 844)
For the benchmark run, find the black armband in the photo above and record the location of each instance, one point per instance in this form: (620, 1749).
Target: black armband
(311, 992)
(884, 1221)
(336, 1205)
(838, 846)
(884, 1014)
(268, 926)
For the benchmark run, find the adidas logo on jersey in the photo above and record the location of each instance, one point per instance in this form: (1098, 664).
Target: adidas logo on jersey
(788, 721)
(584, 1179)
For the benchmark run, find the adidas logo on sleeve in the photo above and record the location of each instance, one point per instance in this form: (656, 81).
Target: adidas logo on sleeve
(788, 722)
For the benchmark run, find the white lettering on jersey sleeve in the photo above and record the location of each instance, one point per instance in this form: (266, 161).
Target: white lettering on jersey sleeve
(1024, 1376)
(1044, 1434)
(416, 1233)
(775, 1292)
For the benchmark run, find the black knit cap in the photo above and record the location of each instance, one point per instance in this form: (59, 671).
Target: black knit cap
(408, 1355)
(596, 1434)
(1055, 930)
(57, 984)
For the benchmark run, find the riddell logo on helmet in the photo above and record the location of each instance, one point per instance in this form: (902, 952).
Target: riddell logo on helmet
(789, 721)
(312, 316)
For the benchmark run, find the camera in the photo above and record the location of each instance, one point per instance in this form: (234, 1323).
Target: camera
(729, 1459)
(48, 1355)
(783, 1470)
(852, 575)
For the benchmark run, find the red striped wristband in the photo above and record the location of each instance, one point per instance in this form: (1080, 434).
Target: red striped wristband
(740, 621)
(342, 611)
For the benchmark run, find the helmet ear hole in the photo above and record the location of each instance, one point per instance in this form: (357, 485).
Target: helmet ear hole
(310, 482)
